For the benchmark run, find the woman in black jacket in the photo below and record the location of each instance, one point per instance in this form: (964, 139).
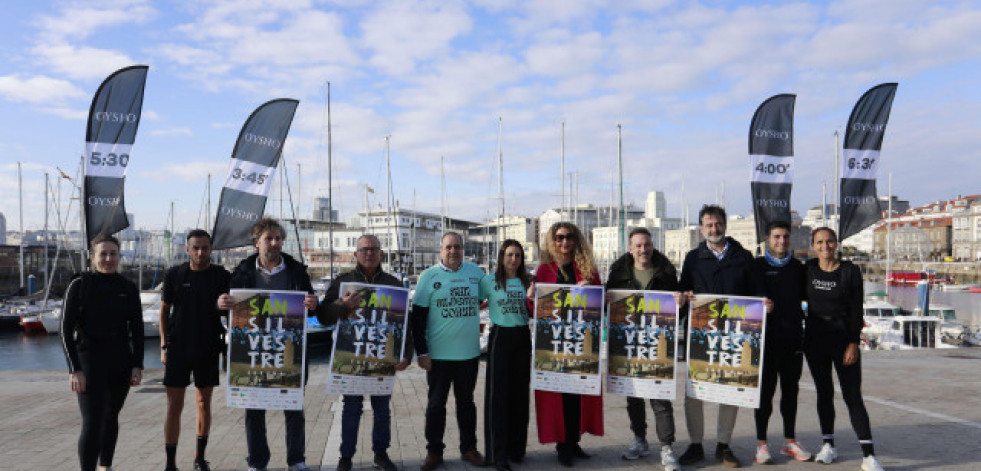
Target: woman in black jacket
(831, 337)
(102, 335)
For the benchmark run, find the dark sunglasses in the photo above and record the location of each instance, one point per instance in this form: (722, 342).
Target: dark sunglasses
(564, 237)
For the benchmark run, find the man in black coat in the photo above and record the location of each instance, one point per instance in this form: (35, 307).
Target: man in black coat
(718, 265)
(336, 306)
(271, 269)
(644, 268)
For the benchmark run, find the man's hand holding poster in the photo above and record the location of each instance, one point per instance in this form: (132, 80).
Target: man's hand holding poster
(725, 349)
(567, 337)
(266, 349)
(369, 343)
(642, 343)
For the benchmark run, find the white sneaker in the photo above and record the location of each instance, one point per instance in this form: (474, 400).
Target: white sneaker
(796, 451)
(869, 463)
(763, 454)
(301, 466)
(827, 455)
(667, 458)
(637, 449)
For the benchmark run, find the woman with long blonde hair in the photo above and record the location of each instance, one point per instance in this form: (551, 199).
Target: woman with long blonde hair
(567, 258)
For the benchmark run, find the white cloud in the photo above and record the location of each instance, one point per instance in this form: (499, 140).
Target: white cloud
(403, 33)
(81, 62)
(79, 21)
(178, 131)
(38, 89)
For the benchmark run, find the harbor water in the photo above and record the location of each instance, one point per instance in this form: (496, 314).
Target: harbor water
(22, 351)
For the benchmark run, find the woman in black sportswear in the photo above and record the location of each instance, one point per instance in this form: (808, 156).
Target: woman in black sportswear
(102, 335)
(831, 336)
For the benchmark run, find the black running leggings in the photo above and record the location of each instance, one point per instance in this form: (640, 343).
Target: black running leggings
(785, 362)
(100, 405)
(821, 354)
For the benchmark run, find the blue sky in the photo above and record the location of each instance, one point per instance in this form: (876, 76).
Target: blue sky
(683, 78)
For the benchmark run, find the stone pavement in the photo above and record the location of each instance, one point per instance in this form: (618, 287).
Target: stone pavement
(925, 408)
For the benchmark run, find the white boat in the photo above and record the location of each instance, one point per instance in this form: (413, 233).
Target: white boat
(150, 300)
(959, 287)
(889, 329)
(952, 331)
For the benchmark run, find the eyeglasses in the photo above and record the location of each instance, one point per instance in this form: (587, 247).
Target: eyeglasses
(564, 237)
(367, 250)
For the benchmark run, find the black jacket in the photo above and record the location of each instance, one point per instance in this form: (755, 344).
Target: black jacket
(622, 275)
(702, 273)
(786, 287)
(330, 310)
(102, 325)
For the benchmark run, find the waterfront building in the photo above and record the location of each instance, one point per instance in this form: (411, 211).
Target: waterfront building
(586, 217)
(925, 232)
(966, 231)
(483, 240)
(678, 242)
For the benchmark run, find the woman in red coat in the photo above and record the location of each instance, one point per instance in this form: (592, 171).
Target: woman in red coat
(562, 418)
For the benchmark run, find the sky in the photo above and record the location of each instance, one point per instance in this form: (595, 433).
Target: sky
(682, 79)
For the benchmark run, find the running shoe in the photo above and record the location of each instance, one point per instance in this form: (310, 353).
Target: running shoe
(763, 454)
(827, 455)
(796, 451)
(638, 448)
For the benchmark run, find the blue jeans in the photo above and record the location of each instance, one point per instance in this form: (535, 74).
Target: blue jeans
(255, 437)
(381, 431)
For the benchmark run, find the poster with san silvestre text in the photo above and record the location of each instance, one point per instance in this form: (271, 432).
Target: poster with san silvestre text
(266, 349)
(642, 343)
(725, 349)
(567, 338)
(369, 342)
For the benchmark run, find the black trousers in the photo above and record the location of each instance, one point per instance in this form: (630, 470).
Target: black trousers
(783, 362)
(100, 405)
(462, 376)
(663, 418)
(571, 415)
(506, 393)
(822, 354)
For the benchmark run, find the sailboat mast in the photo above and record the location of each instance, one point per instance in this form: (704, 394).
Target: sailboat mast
(330, 196)
(20, 201)
(835, 186)
(46, 274)
(621, 229)
(888, 242)
(388, 201)
(442, 195)
(500, 181)
(562, 170)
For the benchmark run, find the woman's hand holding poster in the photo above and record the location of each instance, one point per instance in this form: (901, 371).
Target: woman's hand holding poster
(642, 343)
(725, 349)
(566, 339)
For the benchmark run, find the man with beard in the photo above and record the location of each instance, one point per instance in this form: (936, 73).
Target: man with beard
(718, 265)
(271, 269)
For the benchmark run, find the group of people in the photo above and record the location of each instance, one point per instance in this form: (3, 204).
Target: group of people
(103, 339)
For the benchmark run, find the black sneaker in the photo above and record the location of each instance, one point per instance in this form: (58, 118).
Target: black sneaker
(171, 468)
(724, 454)
(201, 465)
(382, 462)
(692, 455)
(344, 464)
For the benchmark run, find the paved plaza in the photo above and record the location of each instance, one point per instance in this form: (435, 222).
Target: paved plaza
(925, 408)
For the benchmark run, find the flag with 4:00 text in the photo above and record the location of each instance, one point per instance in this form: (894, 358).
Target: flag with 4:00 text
(254, 159)
(858, 203)
(113, 120)
(771, 150)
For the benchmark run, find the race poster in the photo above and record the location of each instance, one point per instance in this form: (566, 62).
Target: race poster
(642, 342)
(725, 349)
(266, 349)
(567, 339)
(370, 342)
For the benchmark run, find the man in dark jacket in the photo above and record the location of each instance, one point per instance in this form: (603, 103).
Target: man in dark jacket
(644, 268)
(367, 270)
(271, 269)
(784, 278)
(719, 265)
